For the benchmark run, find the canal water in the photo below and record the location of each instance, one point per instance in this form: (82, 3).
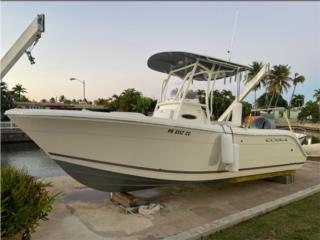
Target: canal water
(30, 157)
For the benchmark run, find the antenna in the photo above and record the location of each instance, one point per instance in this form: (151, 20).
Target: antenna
(233, 34)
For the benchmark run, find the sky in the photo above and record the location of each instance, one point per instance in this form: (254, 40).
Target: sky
(107, 44)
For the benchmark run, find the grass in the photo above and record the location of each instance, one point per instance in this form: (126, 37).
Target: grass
(298, 220)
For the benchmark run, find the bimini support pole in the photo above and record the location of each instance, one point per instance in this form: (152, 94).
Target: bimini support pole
(163, 90)
(208, 112)
(189, 79)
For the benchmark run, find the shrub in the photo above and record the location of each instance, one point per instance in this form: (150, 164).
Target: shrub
(24, 202)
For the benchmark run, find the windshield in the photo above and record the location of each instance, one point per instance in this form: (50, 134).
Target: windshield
(177, 87)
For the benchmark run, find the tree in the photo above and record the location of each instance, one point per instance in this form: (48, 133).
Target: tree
(310, 112)
(316, 95)
(220, 102)
(255, 67)
(17, 91)
(6, 98)
(52, 100)
(23, 98)
(201, 96)
(262, 101)
(75, 101)
(44, 100)
(297, 100)
(143, 105)
(246, 109)
(297, 79)
(62, 98)
(113, 103)
(101, 102)
(278, 82)
(128, 99)
(191, 94)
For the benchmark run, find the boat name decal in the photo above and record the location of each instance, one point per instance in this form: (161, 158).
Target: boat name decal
(179, 132)
(276, 139)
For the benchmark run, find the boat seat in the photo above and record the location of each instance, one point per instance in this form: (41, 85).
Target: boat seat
(262, 123)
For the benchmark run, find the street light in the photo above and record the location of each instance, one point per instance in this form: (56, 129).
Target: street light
(84, 87)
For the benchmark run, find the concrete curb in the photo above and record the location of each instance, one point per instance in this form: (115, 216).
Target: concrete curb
(217, 225)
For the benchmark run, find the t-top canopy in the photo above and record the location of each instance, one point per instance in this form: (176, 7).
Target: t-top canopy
(168, 61)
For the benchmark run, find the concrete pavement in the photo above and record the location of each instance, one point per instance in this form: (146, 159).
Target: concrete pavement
(83, 213)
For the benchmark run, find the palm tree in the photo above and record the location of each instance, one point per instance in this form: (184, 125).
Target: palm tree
(278, 82)
(297, 79)
(18, 90)
(317, 95)
(255, 67)
(297, 100)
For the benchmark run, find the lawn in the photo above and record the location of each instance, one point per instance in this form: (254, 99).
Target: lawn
(298, 220)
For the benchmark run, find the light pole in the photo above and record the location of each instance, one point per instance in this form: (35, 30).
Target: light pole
(84, 87)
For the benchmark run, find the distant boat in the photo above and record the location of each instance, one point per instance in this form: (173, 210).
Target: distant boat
(121, 151)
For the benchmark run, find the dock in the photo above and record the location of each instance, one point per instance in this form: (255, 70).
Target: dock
(187, 211)
(307, 126)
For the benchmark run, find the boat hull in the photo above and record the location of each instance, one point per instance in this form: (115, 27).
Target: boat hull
(104, 180)
(111, 152)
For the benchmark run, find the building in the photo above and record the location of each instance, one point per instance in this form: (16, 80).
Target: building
(61, 106)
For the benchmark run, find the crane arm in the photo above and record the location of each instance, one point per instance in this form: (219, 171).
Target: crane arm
(28, 38)
(248, 88)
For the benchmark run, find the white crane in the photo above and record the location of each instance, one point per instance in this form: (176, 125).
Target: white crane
(24, 44)
(247, 89)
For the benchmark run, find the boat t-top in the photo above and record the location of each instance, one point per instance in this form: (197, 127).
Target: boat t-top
(179, 143)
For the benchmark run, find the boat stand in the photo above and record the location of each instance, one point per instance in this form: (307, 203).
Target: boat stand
(288, 179)
(284, 177)
(125, 199)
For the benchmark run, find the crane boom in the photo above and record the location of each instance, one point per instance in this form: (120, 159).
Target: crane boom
(28, 38)
(254, 81)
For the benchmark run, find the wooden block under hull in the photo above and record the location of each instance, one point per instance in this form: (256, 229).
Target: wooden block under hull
(124, 199)
(273, 176)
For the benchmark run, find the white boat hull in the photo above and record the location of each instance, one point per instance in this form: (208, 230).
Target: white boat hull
(125, 152)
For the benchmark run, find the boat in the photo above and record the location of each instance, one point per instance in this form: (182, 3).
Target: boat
(179, 143)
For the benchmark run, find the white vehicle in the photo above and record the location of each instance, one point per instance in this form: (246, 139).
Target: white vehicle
(120, 151)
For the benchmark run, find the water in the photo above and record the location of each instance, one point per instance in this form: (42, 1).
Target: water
(30, 157)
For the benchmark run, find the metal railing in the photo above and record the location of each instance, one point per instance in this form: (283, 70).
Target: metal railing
(8, 125)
